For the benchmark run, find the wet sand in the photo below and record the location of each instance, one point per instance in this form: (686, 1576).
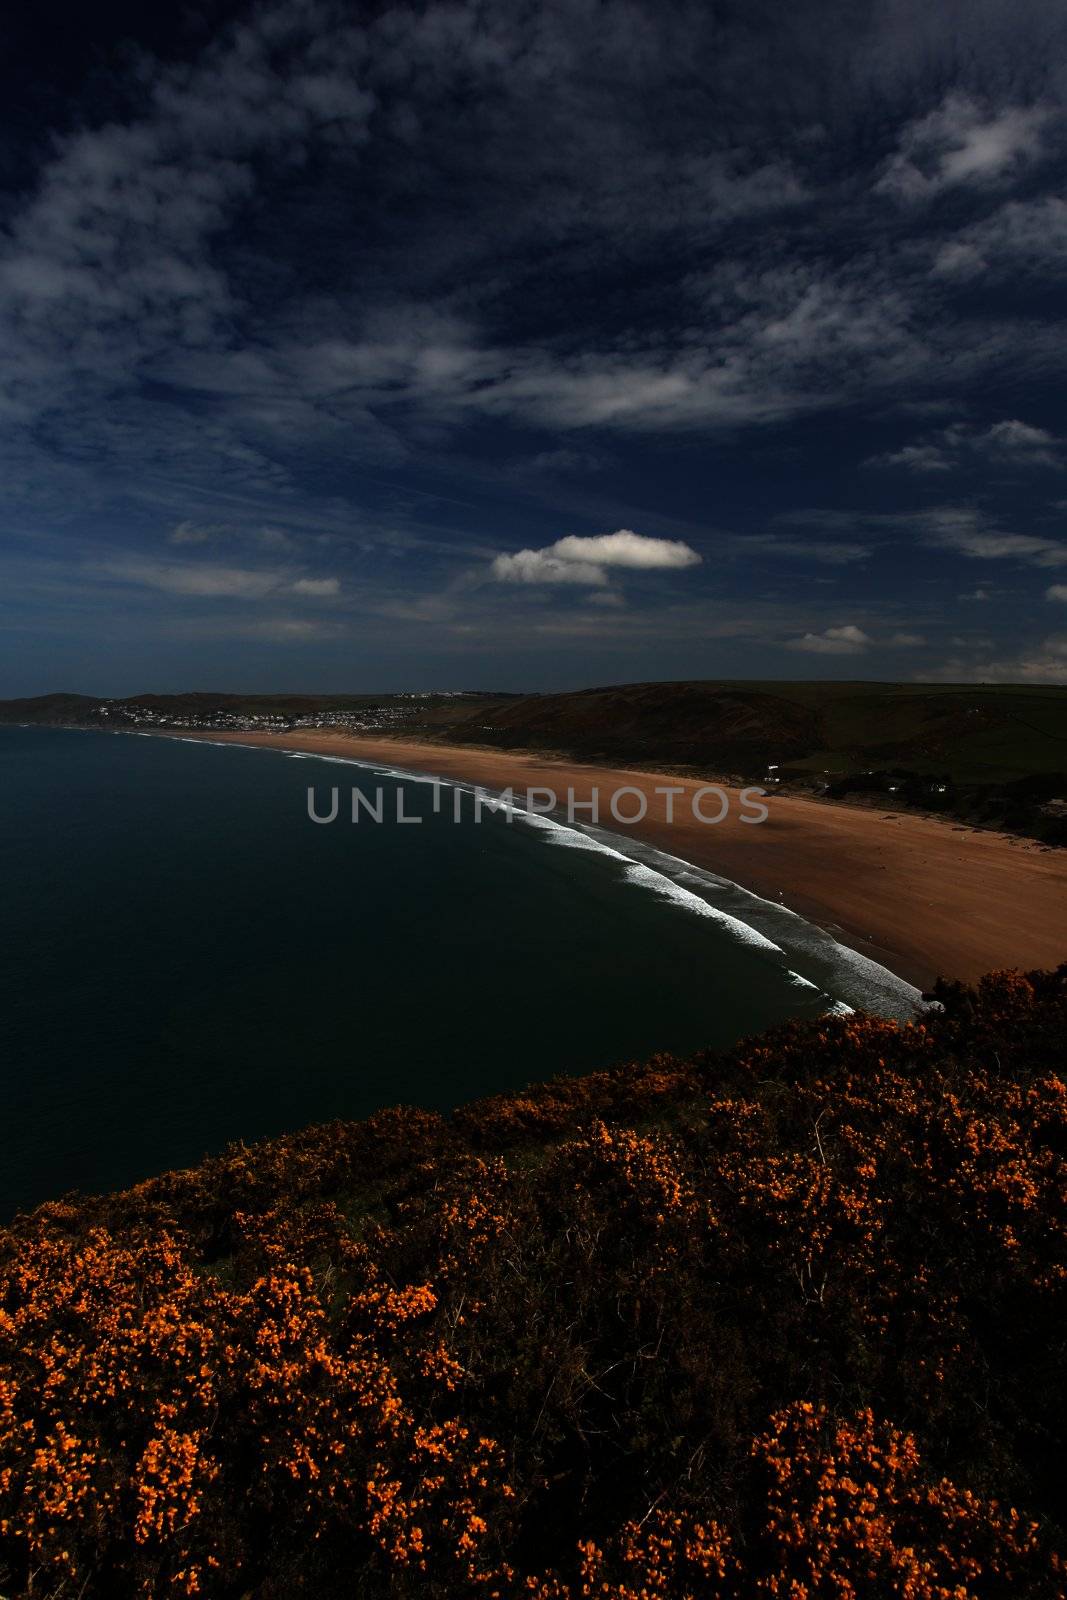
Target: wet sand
(920, 895)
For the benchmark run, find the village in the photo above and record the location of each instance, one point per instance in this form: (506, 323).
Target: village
(390, 713)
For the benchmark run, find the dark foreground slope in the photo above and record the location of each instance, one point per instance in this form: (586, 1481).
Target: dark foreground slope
(786, 1322)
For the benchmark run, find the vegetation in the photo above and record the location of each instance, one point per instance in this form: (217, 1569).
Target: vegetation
(978, 732)
(991, 755)
(784, 1322)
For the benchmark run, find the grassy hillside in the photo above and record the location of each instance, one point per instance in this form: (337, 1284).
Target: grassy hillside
(789, 1321)
(985, 732)
(990, 755)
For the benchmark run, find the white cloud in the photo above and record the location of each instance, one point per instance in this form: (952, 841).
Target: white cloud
(1057, 591)
(209, 582)
(585, 561)
(847, 640)
(915, 458)
(1009, 442)
(538, 566)
(203, 582)
(995, 546)
(963, 529)
(959, 143)
(626, 549)
(907, 641)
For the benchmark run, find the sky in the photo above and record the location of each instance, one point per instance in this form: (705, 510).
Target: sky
(532, 346)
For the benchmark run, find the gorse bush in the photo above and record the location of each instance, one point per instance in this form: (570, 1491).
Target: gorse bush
(786, 1322)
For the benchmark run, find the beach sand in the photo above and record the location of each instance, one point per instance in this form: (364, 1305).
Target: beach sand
(920, 895)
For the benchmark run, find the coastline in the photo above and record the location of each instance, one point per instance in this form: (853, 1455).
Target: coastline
(920, 896)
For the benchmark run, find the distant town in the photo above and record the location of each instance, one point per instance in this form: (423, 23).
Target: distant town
(206, 712)
(397, 711)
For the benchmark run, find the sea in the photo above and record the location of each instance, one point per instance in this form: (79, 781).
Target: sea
(187, 959)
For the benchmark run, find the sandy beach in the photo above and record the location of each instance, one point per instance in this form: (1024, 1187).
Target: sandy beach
(919, 895)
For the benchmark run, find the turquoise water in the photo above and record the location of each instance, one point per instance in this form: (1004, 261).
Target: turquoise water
(186, 959)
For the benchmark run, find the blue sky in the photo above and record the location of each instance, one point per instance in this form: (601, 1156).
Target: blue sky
(512, 345)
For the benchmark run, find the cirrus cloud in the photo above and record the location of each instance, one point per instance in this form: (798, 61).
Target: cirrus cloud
(203, 581)
(960, 143)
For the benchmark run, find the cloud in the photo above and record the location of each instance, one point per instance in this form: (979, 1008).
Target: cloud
(960, 143)
(539, 566)
(828, 552)
(110, 259)
(584, 561)
(758, 346)
(1024, 239)
(1017, 439)
(1009, 442)
(277, 629)
(906, 641)
(193, 533)
(996, 546)
(1056, 591)
(129, 262)
(963, 529)
(317, 588)
(847, 640)
(627, 549)
(188, 532)
(209, 582)
(202, 582)
(915, 458)
(1043, 663)
(190, 314)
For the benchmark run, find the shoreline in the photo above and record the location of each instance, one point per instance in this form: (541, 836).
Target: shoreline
(919, 896)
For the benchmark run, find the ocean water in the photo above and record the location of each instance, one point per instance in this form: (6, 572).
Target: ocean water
(186, 959)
